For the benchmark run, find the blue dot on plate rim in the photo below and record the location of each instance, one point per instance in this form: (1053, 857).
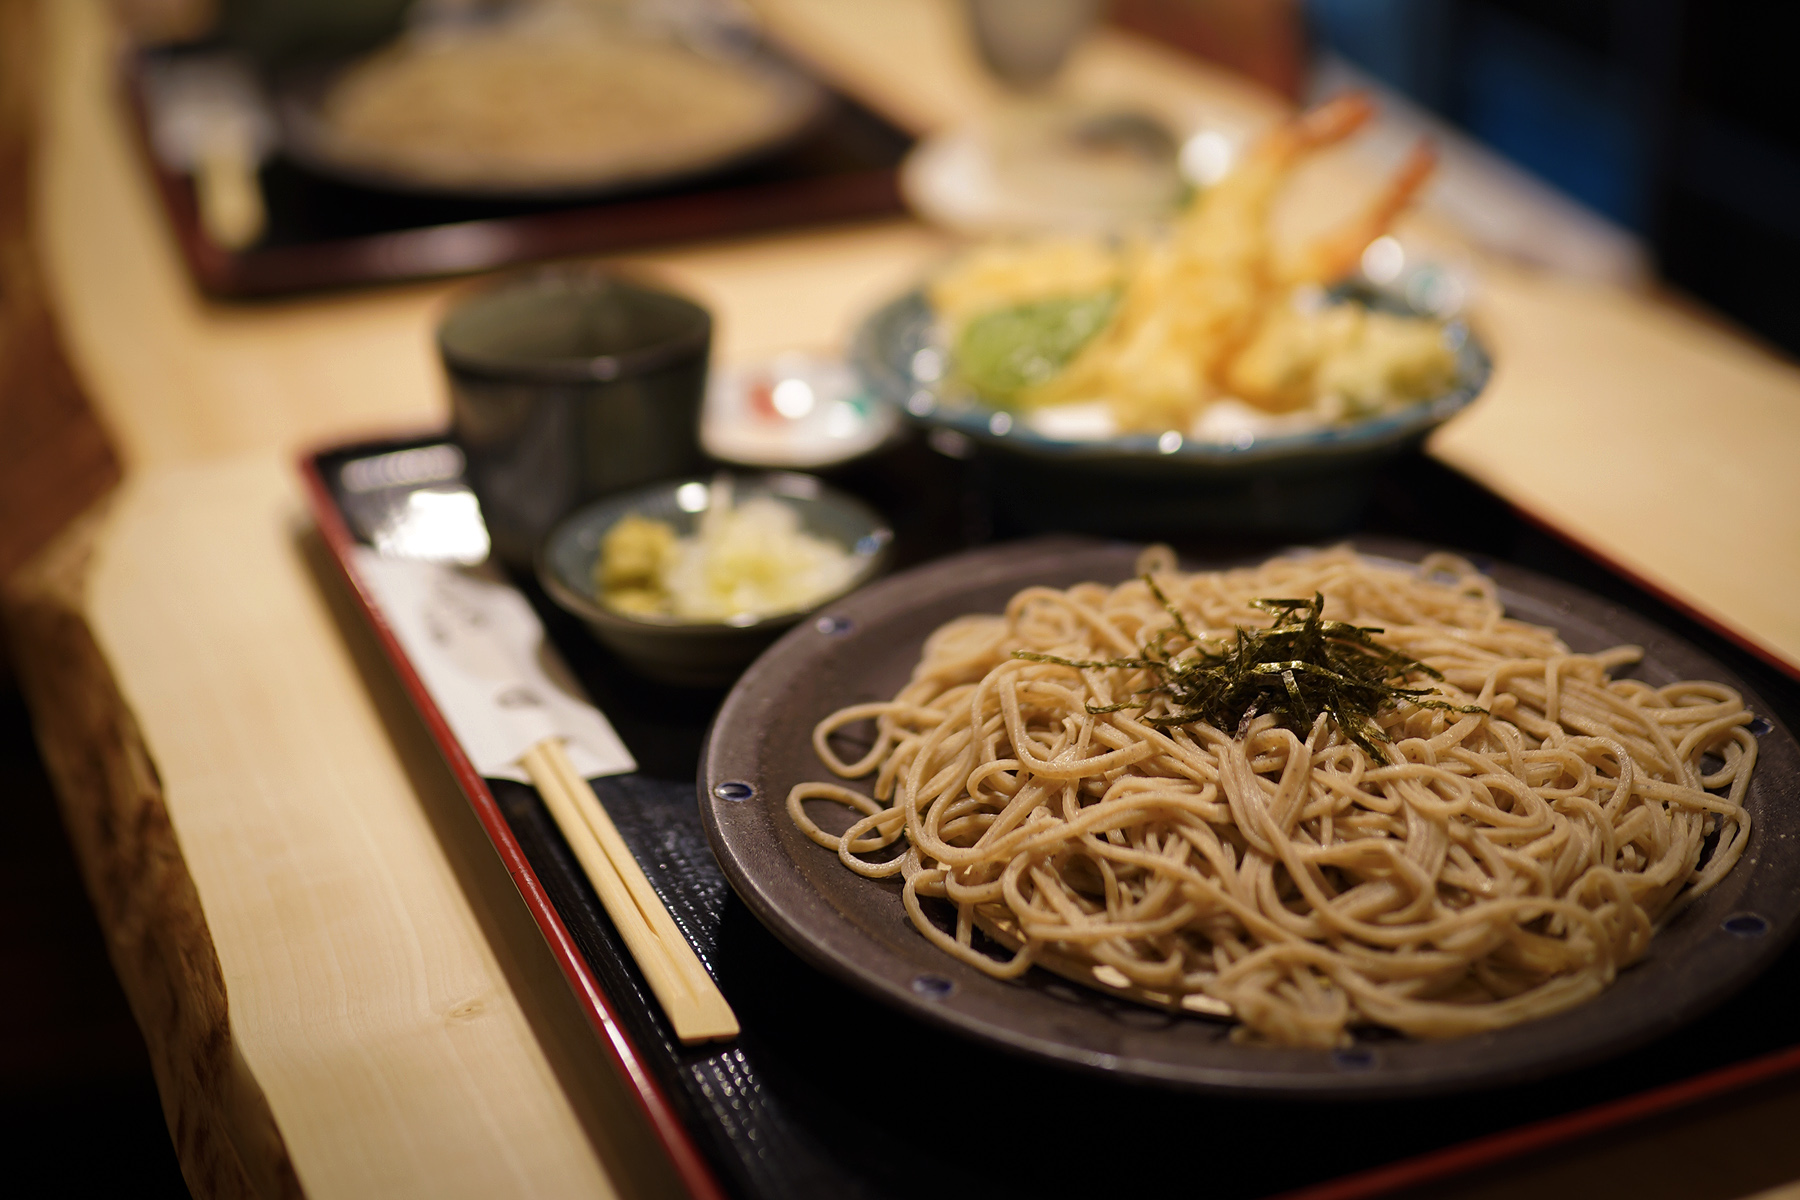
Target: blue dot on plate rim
(932, 987)
(734, 790)
(1746, 924)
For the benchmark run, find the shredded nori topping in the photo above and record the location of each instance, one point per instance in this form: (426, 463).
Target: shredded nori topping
(1300, 666)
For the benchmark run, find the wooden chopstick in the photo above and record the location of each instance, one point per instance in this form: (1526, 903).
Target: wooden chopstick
(716, 1017)
(689, 998)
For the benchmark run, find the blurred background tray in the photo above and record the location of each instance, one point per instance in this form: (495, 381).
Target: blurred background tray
(324, 232)
(828, 1093)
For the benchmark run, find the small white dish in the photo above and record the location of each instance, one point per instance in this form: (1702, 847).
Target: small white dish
(795, 411)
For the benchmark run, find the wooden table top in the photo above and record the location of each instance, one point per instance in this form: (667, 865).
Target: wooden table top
(369, 1011)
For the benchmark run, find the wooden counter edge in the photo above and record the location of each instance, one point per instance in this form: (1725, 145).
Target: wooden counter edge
(111, 803)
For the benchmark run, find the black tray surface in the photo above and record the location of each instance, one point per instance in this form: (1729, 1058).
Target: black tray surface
(828, 1092)
(307, 206)
(327, 231)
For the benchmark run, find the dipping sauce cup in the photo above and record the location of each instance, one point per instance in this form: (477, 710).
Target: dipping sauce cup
(567, 384)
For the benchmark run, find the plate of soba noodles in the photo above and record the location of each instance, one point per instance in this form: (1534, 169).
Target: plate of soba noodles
(1357, 820)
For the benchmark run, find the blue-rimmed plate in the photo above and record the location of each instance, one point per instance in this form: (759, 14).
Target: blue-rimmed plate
(1309, 482)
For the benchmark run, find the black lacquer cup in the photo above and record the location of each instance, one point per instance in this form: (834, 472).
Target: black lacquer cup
(568, 383)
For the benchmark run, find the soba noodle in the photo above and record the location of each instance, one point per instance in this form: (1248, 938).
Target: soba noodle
(1489, 868)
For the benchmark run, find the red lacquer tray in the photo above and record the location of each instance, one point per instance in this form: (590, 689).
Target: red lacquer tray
(829, 1093)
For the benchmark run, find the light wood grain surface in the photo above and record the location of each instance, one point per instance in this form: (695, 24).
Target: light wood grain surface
(157, 937)
(365, 991)
(388, 999)
(1664, 445)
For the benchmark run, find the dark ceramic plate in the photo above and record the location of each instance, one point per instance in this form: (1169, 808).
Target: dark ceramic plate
(308, 139)
(863, 648)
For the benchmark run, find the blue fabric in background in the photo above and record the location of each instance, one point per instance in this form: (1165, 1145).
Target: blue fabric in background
(1548, 106)
(1403, 43)
(1675, 118)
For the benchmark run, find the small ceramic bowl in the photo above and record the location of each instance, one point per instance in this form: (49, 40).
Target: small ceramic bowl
(700, 653)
